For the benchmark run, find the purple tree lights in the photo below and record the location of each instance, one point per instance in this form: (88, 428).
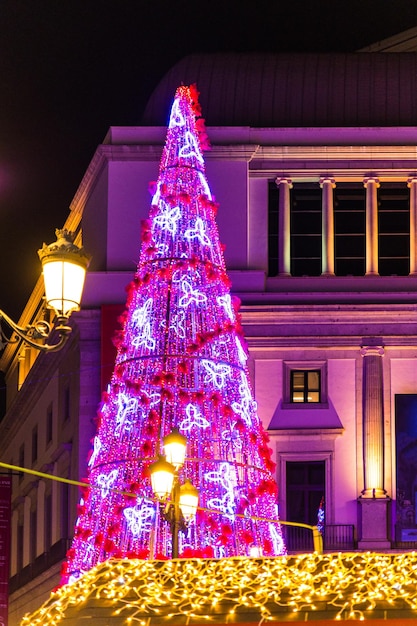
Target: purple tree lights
(181, 363)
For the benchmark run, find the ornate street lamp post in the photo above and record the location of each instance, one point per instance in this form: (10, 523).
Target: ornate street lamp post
(181, 499)
(64, 267)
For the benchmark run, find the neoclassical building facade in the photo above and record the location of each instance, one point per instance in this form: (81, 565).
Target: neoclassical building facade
(314, 165)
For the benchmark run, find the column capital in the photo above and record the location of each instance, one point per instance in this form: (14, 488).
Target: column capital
(370, 179)
(283, 180)
(411, 181)
(327, 179)
(372, 351)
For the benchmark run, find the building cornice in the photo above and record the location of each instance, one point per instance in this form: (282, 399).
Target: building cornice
(289, 136)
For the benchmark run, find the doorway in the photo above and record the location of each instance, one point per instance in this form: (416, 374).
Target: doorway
(305, 488)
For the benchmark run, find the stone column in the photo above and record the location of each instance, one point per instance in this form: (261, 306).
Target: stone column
(373, 422)
(284, 232)
(412, 184)
(327, 232)
(374, 503)
(371, 185)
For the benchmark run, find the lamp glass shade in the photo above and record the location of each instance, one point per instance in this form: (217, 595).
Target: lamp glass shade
(174, 447)
(162, 478)
(64, 267)
(64, 283)
(188, 500)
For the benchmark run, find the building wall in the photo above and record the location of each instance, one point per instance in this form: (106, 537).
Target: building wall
(320, 321)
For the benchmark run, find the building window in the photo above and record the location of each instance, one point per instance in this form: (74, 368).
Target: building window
(48, 521)
(305, 382)
(34, 444)
(66, 403)
(65, 509)
(305, 386)
(305, 489)
(393, 230)
(273, 229)
(21, 460)
(33, 535)
(349, 203)
(19, 548)
(305, 227)
(49, 424)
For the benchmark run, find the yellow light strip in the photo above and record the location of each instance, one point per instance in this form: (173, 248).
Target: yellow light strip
(317, 539)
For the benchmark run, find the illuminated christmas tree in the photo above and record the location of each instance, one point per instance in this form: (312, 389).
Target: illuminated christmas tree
(181, 364)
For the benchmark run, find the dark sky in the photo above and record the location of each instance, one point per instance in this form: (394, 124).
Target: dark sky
(69, 69)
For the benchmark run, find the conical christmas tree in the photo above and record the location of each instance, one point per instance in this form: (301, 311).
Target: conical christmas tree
(181, 364)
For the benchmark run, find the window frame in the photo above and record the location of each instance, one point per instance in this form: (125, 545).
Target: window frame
(304, 366)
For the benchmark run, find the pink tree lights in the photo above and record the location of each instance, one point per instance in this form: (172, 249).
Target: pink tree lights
(181, 363)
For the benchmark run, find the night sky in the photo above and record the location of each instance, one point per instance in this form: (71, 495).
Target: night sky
(69, 69)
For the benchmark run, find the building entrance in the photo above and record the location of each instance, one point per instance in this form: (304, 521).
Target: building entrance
(305, 488)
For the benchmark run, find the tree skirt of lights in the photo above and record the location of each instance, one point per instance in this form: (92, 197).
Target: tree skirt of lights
(312, 587)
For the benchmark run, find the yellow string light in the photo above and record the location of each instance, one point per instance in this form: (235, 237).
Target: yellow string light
(343, 585)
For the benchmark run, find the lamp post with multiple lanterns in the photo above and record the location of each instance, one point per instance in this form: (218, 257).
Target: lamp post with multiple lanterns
(181, 499)
(64, 267)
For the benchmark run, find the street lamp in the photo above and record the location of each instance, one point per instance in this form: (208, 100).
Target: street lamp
(64, 267)
(181, 499)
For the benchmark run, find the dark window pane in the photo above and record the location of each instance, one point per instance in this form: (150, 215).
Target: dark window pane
(273, 222)
(48, 521)
(306, 225)
(350, 267)
(19, 563)
(34, 444)
(394, 222)
(391, 247)
(394, 267)
(393, 230)
(33, 534)
(273, 228)
(349, 223)
(49, 424)
(306, 267)
(66, 402)
(350, 247)
(304, 247)
(295, 473)
(316, 473)
(21, 460)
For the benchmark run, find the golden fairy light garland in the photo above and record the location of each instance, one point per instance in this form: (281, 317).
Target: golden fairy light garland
(345, 585)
